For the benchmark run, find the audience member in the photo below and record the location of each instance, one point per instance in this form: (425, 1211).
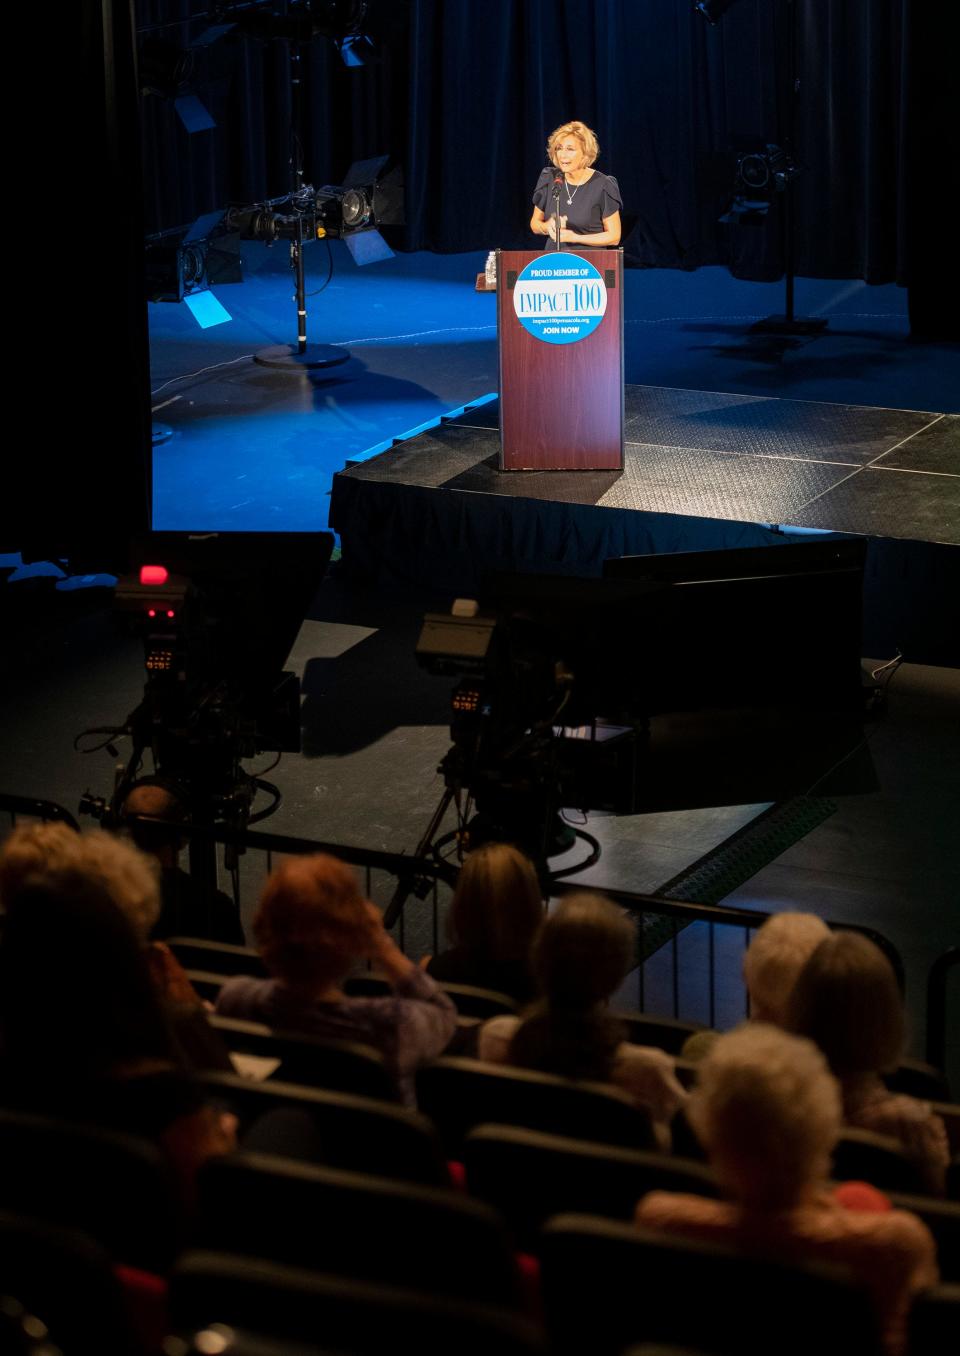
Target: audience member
(778, 951)
(847, 1000)
(152, 814)
(312, 926)
(130, 880)
(496, 909)
(768, 1113)
(581, 954)
(83, 1035)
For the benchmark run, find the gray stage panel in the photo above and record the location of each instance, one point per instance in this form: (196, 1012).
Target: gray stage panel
(430, 459)
(718, 485)
(559, 487)
(764, 426)
(879, 503)
(719, 421)
(936, 448)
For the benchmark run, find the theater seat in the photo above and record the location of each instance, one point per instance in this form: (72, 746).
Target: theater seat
(460, 1094)
(356, 1225)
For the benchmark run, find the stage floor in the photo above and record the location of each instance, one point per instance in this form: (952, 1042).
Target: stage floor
(749, 459)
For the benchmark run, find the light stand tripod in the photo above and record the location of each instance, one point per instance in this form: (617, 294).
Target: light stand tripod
(301, 356)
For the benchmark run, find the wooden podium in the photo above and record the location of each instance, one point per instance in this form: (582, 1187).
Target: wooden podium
(561, 403)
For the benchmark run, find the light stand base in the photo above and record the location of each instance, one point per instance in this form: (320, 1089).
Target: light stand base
(290, 359)
(795, 324)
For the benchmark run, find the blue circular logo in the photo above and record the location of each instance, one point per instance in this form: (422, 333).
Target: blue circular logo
(559, 298)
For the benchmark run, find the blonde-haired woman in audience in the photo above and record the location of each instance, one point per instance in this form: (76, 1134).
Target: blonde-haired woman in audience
(313, 925)
(847, 1000)
(581, 955)
(768, 1113)
(496, 909)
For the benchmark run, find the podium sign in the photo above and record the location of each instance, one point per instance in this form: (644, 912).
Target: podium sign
(560, 329)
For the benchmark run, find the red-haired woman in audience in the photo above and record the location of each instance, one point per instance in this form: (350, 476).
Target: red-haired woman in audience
(847, 1000)
(83, 1034)
(496, 909)
(313, 925)
(767, 1111)
(580, 956)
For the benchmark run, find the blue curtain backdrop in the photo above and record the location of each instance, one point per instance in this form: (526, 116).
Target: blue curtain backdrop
(465, 94)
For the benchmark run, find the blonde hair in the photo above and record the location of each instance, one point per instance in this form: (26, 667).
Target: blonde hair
(497, 904)
(778, 952)
(129, 877)
(312, 920)
(582, 133)
(847, 1000)
(768, 1111)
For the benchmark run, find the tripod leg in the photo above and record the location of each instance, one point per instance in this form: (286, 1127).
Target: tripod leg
(408, 883)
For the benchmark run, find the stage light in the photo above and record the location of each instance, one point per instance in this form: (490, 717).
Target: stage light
(759, 176)
(184, 265)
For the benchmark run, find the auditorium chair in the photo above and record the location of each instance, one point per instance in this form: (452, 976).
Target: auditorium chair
(355, 1224)
(529, 1176)
(116, 1188)
(66, 1280)
(196, 953)
(469, 1000)
(934, 1323)
(460, 1094)
(919, 1079)
(607, 1286)
(341, 1066)
(336, 1314)
(666, 1033)
(352, 1132)
(862, 1156)
(942, 1218)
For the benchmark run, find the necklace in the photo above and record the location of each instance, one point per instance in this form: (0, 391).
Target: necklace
(570, 196)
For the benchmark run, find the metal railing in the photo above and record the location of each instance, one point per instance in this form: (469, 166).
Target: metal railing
(690, 958)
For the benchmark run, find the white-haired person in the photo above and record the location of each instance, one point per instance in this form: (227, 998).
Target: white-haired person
(590, 201)
(768, 1113)
(778, 951)
(580, 956)
(847, 1000)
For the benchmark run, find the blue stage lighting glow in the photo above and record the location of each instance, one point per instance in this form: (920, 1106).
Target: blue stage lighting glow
(206, 309)
(368, 247)
(193, 114)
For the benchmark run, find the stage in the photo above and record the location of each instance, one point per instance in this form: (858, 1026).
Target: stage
(702, 470)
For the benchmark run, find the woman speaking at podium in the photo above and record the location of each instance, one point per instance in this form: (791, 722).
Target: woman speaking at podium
(590, 202)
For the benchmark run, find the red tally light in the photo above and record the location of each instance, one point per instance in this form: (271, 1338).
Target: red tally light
(170, 612)
(152, 575)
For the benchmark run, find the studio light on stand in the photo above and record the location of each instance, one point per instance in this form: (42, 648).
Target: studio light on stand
(351, 212)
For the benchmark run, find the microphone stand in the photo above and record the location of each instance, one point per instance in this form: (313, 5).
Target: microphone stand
(556, 209)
